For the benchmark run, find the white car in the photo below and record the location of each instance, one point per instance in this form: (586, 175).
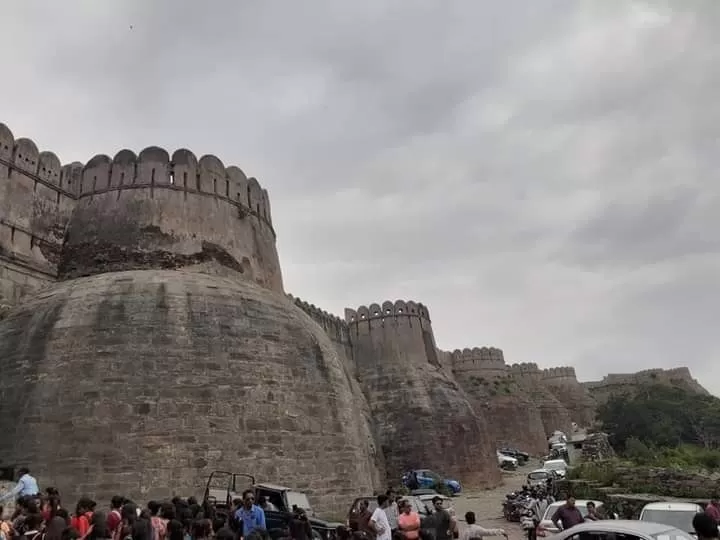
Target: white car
(557, 465)
(622, 529)
(539, 477)
(507, 462)
(547, 527)
(672, 514)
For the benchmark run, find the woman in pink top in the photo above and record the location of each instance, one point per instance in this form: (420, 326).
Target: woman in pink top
(408, 521)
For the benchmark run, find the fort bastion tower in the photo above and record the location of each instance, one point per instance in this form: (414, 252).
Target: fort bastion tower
(149, 340)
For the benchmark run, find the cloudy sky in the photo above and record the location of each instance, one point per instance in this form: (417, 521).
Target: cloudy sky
(542, 175)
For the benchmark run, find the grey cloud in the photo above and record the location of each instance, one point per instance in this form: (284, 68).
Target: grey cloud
(540, 174)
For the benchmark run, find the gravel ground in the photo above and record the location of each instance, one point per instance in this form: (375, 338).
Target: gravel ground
(487, 505)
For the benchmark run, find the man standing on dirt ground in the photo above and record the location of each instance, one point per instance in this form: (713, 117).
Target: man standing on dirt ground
(392, 510)
(445, 524)
(567, 515)
(713, 509)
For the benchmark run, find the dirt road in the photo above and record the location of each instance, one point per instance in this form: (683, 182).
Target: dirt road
(487, 505)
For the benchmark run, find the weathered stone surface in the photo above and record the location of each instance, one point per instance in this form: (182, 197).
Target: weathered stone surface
(424, 419)
(143, 382)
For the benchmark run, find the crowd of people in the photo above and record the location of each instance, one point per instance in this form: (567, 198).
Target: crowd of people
(41, 515)
(395, 519)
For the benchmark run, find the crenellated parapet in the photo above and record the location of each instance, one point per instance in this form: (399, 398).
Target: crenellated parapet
(559, 375)
(481, 362)
(399, 308)
(154, 168)
(526, 371)
(335, 327)
(21, 157)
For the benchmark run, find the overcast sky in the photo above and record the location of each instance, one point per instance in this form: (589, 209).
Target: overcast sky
(543, 175)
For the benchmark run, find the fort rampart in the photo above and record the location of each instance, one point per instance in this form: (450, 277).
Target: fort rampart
(128, 212)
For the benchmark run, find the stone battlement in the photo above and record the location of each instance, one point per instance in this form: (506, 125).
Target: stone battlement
(399, 308)
(335, 327)
(529, 370)
(647, 376)
(133, 211)
(152, 167)
(559, 374)
(485, 362)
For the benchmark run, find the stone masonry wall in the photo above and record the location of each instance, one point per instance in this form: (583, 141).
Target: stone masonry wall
(144, 382)
(36, 200)
(423, 418)
(150, 211)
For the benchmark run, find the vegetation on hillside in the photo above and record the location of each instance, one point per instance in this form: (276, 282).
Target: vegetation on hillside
(665, 426)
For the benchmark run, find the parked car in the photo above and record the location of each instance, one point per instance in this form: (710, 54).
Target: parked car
(428, 479)
(522, 457)
(539, 477)
(623, 529)
(547, 527)
(506, 462)
(559, 466)
(672, 514)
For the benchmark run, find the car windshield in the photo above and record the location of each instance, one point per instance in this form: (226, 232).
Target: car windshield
(681, 519)
(295, 498)
(538, 475)
(554, 506)
(430, 474)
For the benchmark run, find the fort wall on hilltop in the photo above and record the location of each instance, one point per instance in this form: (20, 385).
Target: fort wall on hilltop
(625, 383)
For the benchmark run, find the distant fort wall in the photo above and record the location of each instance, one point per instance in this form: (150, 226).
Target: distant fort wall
(483, 362)
(622, 383)
(130, 212)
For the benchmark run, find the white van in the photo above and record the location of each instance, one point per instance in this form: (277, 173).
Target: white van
(675, 514)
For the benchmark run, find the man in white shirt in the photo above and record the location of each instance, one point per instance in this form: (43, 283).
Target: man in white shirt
(379, 521)
(392, 511)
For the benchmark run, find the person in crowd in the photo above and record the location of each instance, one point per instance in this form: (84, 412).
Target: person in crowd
(379, 520)
(705, 527)
(251, 515)
(474, 531)
(445, 523)
(392, 510)
(567, 515)
(26, 486)
(4, 525)
(175, 530)
(159, 524)
(713, 509)
(98, 527)
(33, 527)
(361, 520)
(300, 528)
(57, 524)
(408, 521)
(592, 513)
(201, 529)
(114, 517)
(80, 521)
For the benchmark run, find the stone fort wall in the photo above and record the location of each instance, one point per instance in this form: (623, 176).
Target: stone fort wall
(132, 211)
(37, 197)
(615, 383)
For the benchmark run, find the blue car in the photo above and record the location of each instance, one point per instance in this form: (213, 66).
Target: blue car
(427, 479)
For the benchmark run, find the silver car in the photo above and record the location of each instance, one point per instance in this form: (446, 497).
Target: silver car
(546, 526)
(622, 530)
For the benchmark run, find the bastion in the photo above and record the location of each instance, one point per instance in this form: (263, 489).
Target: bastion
(151, 341)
